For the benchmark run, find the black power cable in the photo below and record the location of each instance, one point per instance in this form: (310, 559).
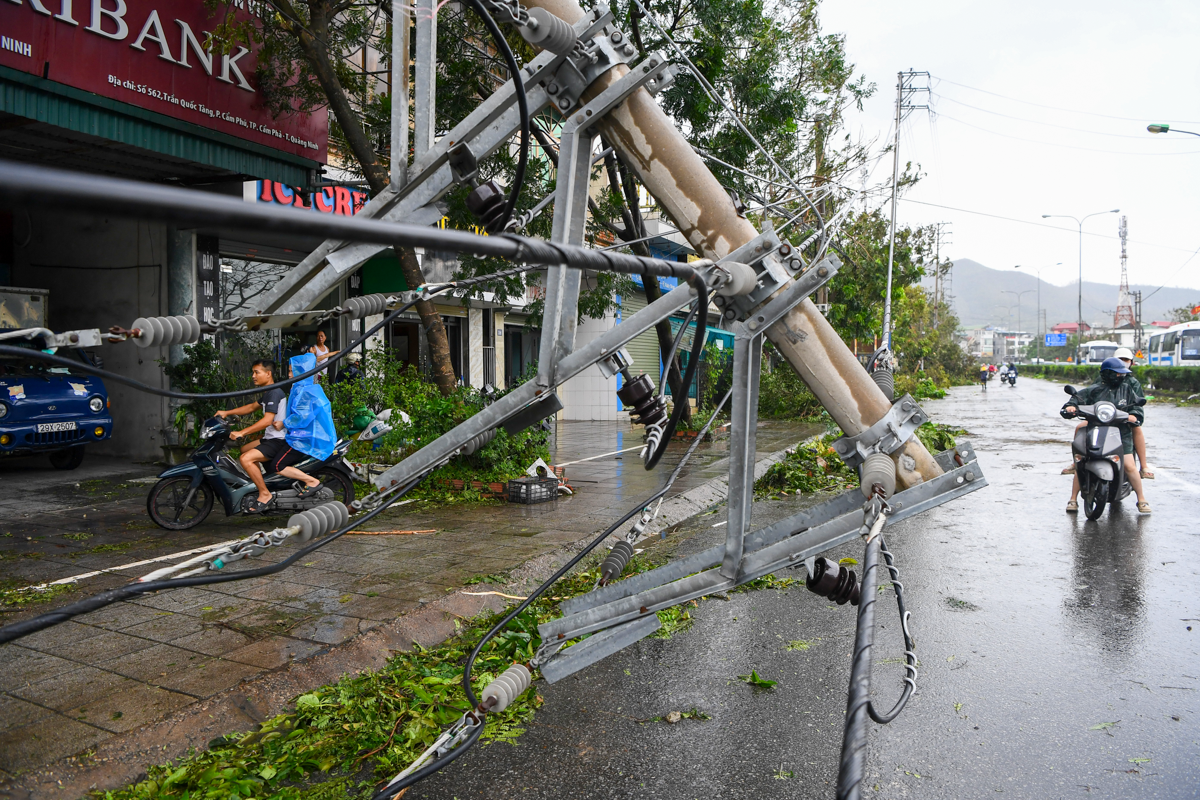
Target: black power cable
(18, 629)
(697, 283)
(522, 108)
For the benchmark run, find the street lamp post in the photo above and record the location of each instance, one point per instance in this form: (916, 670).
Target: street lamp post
(1079, 222)
(1038, 272)
(1167, 129)
(1018, 294)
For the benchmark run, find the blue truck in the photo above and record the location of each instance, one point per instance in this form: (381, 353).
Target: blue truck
(46, 408)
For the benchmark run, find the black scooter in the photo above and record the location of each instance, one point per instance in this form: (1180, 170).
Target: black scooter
(1012, 379)
(1097, 453)
(184, 494)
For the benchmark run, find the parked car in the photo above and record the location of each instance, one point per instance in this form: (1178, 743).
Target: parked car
(46, 408)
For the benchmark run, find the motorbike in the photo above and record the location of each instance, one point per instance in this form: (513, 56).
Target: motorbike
(185, 494)
(1097, 453)
(1012, 379)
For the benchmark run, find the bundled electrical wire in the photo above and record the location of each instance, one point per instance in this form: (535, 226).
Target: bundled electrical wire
(859, 705)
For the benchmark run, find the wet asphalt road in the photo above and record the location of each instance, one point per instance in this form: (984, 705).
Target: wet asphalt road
(1059, 657)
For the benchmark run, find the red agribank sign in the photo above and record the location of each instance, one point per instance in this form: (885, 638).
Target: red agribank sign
(151, 54)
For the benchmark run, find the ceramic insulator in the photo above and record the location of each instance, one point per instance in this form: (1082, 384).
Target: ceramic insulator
(507, 687)
(878, 468)
(163, 331)
(549, 32)
(612, 566)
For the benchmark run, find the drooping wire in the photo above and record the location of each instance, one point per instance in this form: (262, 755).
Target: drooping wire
(394, 788)
(18, 629)
(522, 108)
(662, 375)
(654, 455)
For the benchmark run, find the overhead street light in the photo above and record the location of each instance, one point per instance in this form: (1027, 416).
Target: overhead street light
(1079, 222)
(1038, 271)
(1167, 129)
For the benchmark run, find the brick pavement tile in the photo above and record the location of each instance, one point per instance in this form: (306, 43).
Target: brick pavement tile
(325, 601)
(182, 601)
(47, 740)
(205, 677)
(108, 645)
(68, 632)
(318, 578)
(377, 609)
(132, 706)
(330, 629)
(20, 665)
(214, 640)
(122, 616)
(66, 690)
(15, 712)
(165, 628)
(269, 589)
(274, 652)
(154, 664)
(414, 591)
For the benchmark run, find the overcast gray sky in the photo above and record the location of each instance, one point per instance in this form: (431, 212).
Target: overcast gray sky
(1085, 79)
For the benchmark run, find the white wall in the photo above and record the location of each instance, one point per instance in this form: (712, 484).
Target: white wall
(590, 395)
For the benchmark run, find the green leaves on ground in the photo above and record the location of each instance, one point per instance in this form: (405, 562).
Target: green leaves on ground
(14, 594)
(937, 436)
(754, 680)
(800, 645)
(811, 467)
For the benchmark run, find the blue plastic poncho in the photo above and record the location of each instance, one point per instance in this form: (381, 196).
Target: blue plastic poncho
(309, 420)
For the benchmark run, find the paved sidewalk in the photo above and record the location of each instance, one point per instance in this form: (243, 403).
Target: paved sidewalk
(87, 682)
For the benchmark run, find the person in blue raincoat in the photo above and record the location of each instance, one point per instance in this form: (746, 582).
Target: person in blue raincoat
(309, 424)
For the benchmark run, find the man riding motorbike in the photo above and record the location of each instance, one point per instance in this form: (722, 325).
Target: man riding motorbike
(274, 404)
(1114, 388)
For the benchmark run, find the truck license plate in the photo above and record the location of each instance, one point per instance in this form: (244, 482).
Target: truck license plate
(51, 427)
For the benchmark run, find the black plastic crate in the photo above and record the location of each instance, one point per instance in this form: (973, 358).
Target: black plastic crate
(529, 491)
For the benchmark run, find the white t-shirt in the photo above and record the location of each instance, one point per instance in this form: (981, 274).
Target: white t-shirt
(274, 402)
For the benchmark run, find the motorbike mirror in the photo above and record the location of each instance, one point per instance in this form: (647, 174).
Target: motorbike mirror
(1141, 401)
(1069, 389)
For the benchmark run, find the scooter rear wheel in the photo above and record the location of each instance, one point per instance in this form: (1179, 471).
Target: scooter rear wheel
(170, 507)
(1095, 499)
(342, 487)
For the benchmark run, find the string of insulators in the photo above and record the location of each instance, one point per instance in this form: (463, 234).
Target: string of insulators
(320, 520)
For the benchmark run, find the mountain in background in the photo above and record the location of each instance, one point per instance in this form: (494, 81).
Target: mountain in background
(978, 299)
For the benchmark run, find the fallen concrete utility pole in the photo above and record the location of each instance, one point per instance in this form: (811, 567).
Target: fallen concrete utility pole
(665, 163)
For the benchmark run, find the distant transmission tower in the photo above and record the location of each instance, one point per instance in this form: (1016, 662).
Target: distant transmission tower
(1124, 313)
